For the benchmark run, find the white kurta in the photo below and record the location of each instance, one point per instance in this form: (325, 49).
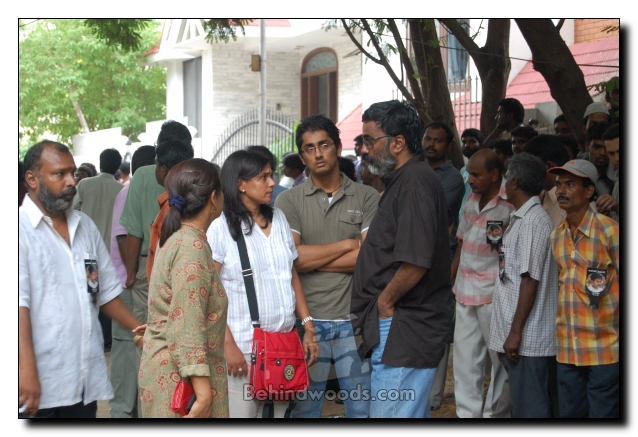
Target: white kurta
(67, 337)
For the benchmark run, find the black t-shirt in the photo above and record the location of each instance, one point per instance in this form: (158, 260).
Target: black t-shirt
(410, 226)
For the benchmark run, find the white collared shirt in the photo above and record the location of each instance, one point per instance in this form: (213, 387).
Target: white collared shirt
(66, 334)
(271, 261)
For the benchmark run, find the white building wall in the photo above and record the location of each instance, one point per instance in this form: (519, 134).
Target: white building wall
(349, 78)
(235, 88)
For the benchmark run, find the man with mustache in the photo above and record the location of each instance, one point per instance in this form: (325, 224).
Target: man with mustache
(587, 327)
(474, 272)
(401, 300)
(62, 369)
(329, 216)
(437, 142)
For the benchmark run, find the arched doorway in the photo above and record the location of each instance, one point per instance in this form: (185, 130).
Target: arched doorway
(319, 84)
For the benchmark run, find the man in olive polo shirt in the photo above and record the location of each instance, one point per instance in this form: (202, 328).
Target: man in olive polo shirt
(329, 217)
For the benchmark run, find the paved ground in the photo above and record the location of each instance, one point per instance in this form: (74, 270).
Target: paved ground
(333, 410)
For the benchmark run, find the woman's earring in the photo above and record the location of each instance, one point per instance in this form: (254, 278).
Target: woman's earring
(243, 191)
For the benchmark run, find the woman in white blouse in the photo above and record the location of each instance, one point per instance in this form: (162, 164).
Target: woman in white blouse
(247, 185)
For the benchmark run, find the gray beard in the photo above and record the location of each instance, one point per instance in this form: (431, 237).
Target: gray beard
(384, 165)
(51, 203)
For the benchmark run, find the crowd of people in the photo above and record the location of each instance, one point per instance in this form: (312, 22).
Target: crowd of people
(386, 264)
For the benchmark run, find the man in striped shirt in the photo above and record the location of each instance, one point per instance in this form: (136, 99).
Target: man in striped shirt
(475, 268)
(523, 326)
(587, 323)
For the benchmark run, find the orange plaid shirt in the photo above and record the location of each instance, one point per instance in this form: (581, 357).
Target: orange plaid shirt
(586, 336)
(156, 231)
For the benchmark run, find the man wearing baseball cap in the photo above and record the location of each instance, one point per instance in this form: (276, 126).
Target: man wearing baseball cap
(587, 345)
(594, 113)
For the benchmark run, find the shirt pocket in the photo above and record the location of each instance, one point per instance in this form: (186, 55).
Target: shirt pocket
(512, 263)
(350, 226)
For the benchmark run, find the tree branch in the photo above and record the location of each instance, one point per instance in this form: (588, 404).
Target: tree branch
(405, 60)
(386, 65)
(359, 46)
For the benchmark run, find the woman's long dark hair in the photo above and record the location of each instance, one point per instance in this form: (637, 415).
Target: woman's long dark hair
(241, 165)
(194, 179)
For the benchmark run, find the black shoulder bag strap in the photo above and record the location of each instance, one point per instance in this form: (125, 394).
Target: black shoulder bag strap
(247, 273)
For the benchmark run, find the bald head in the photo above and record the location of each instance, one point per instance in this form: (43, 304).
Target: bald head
(485, 169)
(487, 159)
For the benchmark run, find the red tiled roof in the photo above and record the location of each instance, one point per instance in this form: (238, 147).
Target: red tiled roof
(530, 88)
(271, 22)
(350, 127)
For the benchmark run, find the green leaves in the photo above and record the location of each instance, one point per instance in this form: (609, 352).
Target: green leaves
(62, 62)
(118, 32)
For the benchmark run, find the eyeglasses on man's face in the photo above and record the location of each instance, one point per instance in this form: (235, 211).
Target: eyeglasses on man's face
(311, 150)
(369, 141)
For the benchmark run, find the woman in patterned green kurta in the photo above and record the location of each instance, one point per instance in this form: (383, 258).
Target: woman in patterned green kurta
(184, 339)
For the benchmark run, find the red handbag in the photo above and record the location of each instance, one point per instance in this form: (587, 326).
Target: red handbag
(278, 368)
(183, 398)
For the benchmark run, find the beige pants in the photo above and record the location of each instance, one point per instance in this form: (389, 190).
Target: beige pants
(470, 352)
(240, 404)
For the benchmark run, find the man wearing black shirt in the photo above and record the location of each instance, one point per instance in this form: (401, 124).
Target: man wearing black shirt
(401, 298)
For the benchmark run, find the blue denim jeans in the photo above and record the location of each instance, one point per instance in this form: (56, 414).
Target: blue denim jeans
(589, 391)
(398, 392)
(529, 386)
(336, 340)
